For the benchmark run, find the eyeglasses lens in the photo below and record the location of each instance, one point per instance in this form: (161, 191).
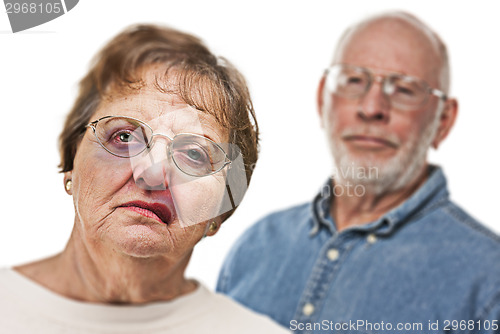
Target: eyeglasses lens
(348, 82)
(123, 137)
(197, 155)
(406, 91)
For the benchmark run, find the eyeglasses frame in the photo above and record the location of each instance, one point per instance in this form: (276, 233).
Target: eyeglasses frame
(93, 126)
(383, 78)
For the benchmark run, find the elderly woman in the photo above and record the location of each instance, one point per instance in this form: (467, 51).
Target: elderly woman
(156, 153)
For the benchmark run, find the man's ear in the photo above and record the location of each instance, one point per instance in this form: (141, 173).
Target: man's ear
(446, 121)
(320, 99)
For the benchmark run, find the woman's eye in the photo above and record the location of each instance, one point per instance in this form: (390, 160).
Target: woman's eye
(198, 155)
(125, 137)
(193, 154)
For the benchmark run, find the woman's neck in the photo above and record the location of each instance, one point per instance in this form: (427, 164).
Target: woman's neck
(78, 274)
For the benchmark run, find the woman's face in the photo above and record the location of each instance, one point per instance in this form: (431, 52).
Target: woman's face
(144, 206)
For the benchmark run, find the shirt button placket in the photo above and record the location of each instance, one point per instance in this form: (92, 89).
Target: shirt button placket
(317, 288)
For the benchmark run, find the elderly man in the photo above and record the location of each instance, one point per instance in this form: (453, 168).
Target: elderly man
(381, 248)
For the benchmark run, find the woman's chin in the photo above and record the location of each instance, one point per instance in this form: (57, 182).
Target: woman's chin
(141, 241)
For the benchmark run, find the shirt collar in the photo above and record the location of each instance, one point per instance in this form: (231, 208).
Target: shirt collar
(430, 194)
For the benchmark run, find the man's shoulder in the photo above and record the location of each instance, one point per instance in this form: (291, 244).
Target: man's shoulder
(458, 224)
(279, 224)
(277, 234)
(289, 215)
(446, 242)
(434, 212)
(452, 239)
(470, 222)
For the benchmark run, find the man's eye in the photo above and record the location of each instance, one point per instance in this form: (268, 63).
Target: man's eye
(405, 90)
(354, 80)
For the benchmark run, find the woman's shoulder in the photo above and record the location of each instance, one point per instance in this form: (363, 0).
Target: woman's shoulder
(226, 315)
(9, 279)
(24, 305)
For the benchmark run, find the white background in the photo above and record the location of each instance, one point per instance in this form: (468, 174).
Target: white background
(282, 48)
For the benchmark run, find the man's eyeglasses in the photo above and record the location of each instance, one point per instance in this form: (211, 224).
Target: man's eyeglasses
(128, 137)
(404, 92)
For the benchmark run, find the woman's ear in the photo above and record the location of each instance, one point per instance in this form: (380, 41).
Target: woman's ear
(68, 182)
(212, 228)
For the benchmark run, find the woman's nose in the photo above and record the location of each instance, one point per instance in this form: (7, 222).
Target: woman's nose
(151, 169)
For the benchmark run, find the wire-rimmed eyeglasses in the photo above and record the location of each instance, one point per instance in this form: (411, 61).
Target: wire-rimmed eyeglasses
(404, 92)
(127, 137)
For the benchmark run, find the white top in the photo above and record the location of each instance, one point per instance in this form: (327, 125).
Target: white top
(27, 307)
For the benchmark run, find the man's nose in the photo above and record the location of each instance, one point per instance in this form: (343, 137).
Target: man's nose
(375, 104)
(151, 168)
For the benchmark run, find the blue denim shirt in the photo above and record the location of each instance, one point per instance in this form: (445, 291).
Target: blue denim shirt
(424, 267)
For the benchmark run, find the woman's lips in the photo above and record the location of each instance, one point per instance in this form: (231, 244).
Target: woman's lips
(157, 211)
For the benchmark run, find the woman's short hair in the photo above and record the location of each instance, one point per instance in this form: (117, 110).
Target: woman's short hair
(202, 80)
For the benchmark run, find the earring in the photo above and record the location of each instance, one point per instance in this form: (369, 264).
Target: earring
(68, 185)
(213, 227)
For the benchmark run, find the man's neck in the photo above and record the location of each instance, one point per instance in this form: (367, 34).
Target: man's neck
(348, 210)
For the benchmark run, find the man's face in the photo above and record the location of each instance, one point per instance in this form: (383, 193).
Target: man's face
(370, 131)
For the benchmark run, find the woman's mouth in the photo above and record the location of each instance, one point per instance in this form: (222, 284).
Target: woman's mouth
(157, 211)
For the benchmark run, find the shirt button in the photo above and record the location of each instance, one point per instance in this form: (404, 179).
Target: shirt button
(332, 254)
(371, 238)
(308, 309)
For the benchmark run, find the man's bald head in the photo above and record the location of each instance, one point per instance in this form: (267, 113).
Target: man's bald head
(420, 41)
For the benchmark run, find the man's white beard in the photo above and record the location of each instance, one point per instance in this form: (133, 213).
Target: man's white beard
(379, 177)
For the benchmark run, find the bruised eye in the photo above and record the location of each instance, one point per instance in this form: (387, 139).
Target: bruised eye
(125, 137)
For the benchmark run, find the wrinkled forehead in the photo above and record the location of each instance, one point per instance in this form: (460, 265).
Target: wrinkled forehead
(392, 44)
(163, 112)
(154, 99)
